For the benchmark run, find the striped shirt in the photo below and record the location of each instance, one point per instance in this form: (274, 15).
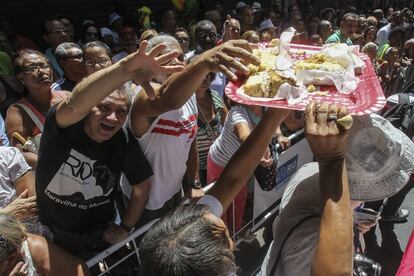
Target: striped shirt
(227, 143)
(204, 138)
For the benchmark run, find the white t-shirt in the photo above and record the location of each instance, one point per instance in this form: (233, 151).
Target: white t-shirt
(166, 145)
(227, 143)
(12, 166)
(382, 35)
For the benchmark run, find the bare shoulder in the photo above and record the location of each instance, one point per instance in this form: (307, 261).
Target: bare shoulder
(38, 248)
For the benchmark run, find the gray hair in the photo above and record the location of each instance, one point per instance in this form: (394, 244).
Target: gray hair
(203, 24)
(61, 51)
(368, 46)
(12, 234)
(170, 41)
(126, 91)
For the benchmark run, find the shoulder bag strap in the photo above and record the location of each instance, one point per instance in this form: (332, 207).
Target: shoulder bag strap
(279, 253)
(209, 128)
(35, 118)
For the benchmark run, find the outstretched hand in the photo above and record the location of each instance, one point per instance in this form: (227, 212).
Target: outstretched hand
(22, 207)
(231, 55)
(327, 139)
(143, 66)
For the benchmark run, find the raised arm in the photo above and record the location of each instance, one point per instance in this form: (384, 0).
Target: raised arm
(139, 66)
(333, 255)
(243, 163)
(176, 91)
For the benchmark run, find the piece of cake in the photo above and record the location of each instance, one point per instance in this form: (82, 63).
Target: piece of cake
(257, 85)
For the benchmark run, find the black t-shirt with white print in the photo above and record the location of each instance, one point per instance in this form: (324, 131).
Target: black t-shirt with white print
(76, 177)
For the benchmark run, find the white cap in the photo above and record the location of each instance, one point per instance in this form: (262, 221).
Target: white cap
(256, 6)
(266, 24)
(113, 17)
(240, 5)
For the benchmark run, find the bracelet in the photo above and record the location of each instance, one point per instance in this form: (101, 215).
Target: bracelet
(125, 227)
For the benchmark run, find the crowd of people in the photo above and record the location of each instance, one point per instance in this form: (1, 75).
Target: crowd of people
(113, 126)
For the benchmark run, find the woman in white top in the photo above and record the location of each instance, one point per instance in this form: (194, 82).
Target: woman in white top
(240, 121)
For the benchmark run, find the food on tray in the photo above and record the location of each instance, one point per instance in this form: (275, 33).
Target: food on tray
(318, 62)
(311, 88)
(257, 84)
(265, 84)
(321, 93)
(345, 121)
(267, 60)
(274, 43)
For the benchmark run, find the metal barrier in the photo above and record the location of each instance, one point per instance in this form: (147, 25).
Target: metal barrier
(266, 203)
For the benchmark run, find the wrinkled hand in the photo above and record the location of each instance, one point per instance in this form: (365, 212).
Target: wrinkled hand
(283, 141)
(114, 234)
(267, 159)
(231, 55)
(327, 140)
(22, 207)
(142, 66)
(20, 269)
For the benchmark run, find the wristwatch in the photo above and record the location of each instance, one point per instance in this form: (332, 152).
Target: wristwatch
(196, 185)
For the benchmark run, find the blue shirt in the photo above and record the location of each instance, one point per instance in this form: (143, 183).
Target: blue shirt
(4, 141)
(52, 59)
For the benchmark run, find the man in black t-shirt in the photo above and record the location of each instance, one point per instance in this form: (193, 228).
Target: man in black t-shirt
(83, 152)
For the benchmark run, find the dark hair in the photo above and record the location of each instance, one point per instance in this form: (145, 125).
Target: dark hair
(85, 27)
(44, 29)
(396, 31)
(186, 243)
(97, 44)
(350, 15)
(370, 28)
(181, 29)
(18, 61)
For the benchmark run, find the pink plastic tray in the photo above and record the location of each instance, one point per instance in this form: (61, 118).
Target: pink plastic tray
(366, 99)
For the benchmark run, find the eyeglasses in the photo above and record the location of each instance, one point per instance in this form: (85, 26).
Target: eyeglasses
(34, 67)
(92, 34)
(203, 36)
(59, 31)
(101, 62)
(183, 39)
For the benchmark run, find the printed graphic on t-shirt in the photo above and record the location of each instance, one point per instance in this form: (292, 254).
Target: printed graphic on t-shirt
(78, 180)
(177, 128)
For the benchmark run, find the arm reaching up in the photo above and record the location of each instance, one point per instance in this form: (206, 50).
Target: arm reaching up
(243, 163)
(139, 66)
(328, 141)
